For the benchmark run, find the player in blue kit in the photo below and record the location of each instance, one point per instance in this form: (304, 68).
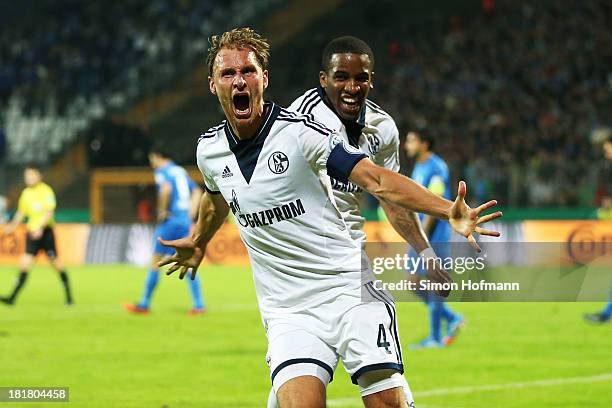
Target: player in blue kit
(178, 201)
(432, 172)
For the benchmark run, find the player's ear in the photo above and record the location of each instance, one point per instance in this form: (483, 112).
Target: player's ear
(264, 75)
(323, 79)
(372, 80)
(211, 86)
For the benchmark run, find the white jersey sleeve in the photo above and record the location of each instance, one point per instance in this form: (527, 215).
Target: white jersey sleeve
(388, 155)
(329, 153)
(315, 148)
(294, 107)
(209, 183)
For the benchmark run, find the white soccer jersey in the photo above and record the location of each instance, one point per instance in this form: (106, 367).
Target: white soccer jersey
(276, 184)
(375, 134)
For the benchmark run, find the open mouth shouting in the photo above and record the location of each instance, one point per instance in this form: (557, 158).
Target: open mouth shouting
(350, 104)
(241, 101)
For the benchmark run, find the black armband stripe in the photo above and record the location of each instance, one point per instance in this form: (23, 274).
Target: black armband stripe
(341, 162)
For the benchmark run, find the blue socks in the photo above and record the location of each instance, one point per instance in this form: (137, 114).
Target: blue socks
(435, 319)
(607, 312)
(438, 310)
(150, 284)
(447, 313)
(196, 292)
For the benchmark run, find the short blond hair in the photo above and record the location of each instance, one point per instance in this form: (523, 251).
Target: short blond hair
(239, 38)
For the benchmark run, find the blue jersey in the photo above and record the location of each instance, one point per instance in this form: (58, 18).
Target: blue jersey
(181, 187)
(433, 174)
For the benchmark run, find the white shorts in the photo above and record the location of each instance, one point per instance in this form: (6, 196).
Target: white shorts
(362, 333)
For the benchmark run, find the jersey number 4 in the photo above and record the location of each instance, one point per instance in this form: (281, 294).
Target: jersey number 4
(382, 338)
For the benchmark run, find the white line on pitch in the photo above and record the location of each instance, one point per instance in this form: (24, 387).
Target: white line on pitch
(339, 402)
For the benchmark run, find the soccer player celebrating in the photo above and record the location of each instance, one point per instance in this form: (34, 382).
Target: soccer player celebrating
(432, 172)
(341, 103)
(37, 204)
(270, 166)
(177, 204)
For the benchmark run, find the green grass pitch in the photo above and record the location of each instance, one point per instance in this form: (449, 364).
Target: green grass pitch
(510, 355)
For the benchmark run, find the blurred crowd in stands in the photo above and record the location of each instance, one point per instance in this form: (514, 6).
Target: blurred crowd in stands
(67, 63)
(519, 97)
(101, 52)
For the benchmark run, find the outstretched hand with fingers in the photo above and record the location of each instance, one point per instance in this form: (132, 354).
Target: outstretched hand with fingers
(466, 220)
(188, 256)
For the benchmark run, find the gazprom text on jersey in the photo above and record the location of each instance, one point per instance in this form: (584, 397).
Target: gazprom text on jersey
(270, 216)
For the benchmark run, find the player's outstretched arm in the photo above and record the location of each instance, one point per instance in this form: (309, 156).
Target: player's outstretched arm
(190, 250)
(407, 224)
(394, 188)
(397, 189)
(194, 202)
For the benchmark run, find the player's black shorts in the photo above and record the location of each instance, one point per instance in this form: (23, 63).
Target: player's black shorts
(45, 243)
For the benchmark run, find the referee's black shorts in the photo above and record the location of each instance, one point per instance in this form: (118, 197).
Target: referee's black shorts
(45, 243)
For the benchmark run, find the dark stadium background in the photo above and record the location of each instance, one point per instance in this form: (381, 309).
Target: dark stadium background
(517, 93)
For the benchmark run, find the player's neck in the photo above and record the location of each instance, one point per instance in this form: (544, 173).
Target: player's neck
(245, 130)
(423, 157)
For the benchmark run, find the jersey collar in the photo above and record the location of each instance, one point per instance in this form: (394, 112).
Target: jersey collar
(247, 151)
(271, 111)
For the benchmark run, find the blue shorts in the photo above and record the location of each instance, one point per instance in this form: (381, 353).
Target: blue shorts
(169, 229)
